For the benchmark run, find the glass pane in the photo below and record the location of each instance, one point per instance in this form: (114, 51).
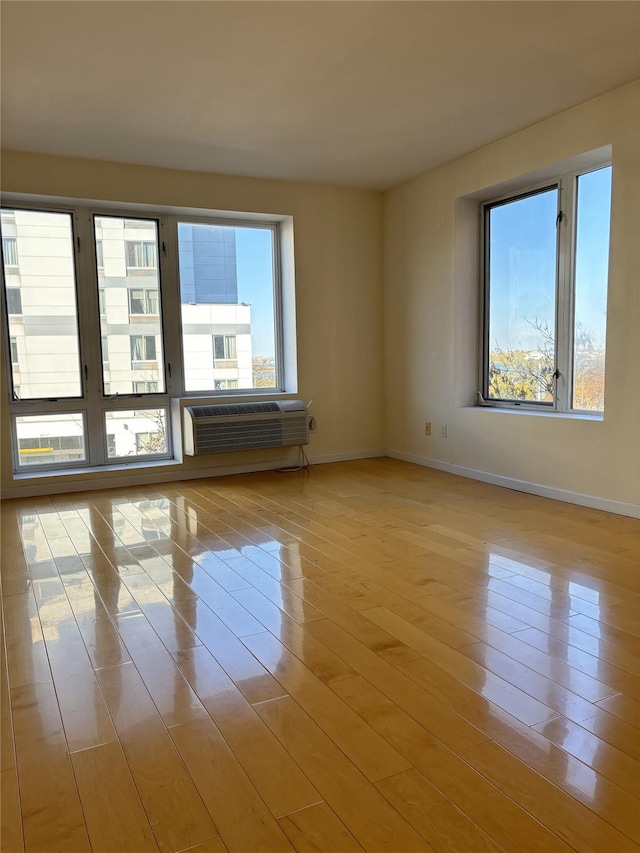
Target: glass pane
(227, 302)
(50, 439)
(129, 288)
(40, 278)
(142, 432)
(593, 218)
(522, 298)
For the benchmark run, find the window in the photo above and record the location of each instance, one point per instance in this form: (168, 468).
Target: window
(70, 322)
(145, 387)
(14, 300)
(137, 433)
(230, 304)
(124, 307)
(141, 254)
(50, 439)
(545, 290)
(224, 349)
(143, 348)
(48, 284)
(143, 301)
(10, 251)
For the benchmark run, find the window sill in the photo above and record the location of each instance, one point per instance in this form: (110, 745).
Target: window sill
(523, 410)
(23, 476)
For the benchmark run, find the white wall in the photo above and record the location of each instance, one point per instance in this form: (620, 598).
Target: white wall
(338, 251)
(431, 301)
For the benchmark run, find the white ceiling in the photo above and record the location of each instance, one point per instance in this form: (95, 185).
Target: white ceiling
(356, 93)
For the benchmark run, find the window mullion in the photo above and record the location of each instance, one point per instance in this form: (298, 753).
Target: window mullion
(564, 313)
(170, 297)
(90, 335)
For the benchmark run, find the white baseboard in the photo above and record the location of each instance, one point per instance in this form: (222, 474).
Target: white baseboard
(592, 501)
(349, 456)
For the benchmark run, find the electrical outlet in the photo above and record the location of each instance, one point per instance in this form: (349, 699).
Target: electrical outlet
(443, 431)
(427, 427)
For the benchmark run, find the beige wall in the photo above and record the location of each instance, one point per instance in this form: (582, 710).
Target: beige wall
(428, 307)
(338, 246)
(431, 305)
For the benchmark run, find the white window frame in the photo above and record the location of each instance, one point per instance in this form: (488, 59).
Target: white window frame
(145, 299)
(566, 184)
(93, 403)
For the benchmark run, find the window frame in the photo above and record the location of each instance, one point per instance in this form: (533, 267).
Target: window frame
(566, 183)
(93, 403)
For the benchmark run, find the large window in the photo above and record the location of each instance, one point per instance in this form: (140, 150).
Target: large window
(546, 255)
(89, 301)
(229, 289)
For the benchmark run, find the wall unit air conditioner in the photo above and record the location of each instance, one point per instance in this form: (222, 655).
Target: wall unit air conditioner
(244, 426)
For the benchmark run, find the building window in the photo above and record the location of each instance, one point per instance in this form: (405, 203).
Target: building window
(141, 254)
(14, 350)
(14, 300)
(145, 387)
(224, 350)
(99, 254)
(546, 254)
(10, 251)
(143, 348)
(102, 304)
(143, 301)
(225, 384)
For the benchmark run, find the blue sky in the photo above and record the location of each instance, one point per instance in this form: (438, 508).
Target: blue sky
(523, 263)
(255, 285)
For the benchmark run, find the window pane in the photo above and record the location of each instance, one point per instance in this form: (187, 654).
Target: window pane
(521, 259)
(10, 251)
(130, 281)
(593, 217)
(14, 300)
(46, 326)
(50, 439)
(136, 433)
(227, 302)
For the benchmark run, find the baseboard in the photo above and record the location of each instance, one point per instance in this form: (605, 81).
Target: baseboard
(350, 456)
(594, 502)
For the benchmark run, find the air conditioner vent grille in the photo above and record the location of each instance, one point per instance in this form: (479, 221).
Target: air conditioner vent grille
(234, 409)
(244, 426)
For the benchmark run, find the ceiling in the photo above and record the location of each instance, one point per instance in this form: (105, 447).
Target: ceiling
(362, 94)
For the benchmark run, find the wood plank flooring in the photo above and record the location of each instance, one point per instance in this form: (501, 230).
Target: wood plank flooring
(370, 656)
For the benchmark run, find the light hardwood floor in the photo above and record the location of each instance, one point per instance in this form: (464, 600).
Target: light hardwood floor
(370, 656)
